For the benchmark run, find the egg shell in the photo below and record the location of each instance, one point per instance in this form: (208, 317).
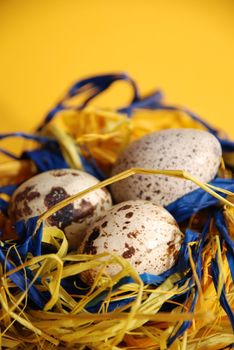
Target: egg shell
(43, 191)
(195, 151)
(140, 231)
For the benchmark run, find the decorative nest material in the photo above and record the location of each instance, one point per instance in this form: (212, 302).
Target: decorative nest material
(43, 302)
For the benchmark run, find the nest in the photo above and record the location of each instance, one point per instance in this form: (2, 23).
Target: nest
(43, 302)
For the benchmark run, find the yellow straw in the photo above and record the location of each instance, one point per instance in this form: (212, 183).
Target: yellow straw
(123, 175)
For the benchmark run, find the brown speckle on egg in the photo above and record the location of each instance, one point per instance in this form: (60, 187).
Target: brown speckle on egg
(56, 195)
(86, 210)
(104, 224)
(24, 197)
(59, 173)
(27, 194)
(132, 234)
(63, 217)
(127, 254)
(125, 207)
(26, 209)
(89, 244)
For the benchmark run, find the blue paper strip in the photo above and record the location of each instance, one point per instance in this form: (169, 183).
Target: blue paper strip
(197, 258)
(94, 86)
(28, 243)
(184, 207)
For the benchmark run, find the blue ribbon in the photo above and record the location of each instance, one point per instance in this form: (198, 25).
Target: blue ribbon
(12, 256)
(46, 158)
(34, 137)
(182, 265)
(191, 203)
(197, 258)
(9, 189)
(97, 84)
(94, 86)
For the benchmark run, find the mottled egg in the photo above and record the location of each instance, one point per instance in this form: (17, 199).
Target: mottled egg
(140, 231)
(195, 151)
(43, 191)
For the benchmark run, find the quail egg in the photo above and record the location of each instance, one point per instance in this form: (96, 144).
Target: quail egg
(195, 151)
(140, 231)
(43, 191)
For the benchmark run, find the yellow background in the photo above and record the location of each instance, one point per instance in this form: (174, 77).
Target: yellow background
(184, 47)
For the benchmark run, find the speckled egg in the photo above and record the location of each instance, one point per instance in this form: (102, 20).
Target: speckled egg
(195, 151)
(43, 191)
(140, 231)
